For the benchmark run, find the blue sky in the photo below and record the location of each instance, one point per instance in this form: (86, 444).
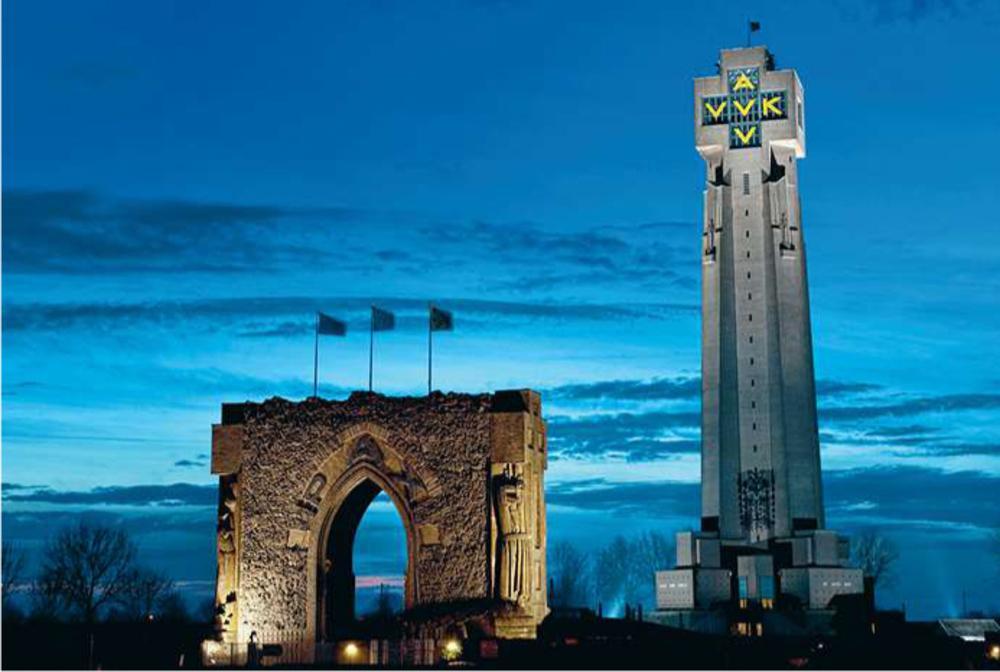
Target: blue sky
(186, 183)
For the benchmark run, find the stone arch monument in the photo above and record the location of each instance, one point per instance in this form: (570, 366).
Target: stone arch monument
(465, 473)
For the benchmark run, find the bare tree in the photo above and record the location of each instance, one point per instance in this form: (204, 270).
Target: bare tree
(384, 604)
(172, 608)
(143, 593)
(46, 600)
(13, 569)
(570, 576)
(625, 570)
(611, 574)
(876, 556)
(651, 552)
(88, 567)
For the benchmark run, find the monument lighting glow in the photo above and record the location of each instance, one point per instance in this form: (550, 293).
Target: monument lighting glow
(761, 489)
(306, 473)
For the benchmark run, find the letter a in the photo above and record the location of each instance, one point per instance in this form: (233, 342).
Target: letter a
(743, 82)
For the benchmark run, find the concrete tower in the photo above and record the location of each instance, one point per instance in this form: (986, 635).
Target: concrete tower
(760, 447)
(762, 504)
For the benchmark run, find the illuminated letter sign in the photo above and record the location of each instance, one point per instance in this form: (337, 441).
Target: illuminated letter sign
(744, 107)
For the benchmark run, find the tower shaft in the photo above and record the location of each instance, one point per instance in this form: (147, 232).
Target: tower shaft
(760, 448)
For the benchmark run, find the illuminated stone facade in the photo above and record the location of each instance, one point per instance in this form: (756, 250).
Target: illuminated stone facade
(465, 473)
(762, 522)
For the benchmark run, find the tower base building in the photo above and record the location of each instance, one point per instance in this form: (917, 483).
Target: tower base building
(762, 545)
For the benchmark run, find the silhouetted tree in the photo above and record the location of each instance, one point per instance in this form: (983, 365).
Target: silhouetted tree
(611, 574)
(46, 600)
(570, 572)
(172, 608)
(651, 552)
(143, 593)
(13, 569)
(384, 605)
(624, 572)
(875, 556)
(87, 568)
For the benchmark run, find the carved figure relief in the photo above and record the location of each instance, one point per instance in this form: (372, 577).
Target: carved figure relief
(313, 494)
(412, 485)
(786, 236)
(710, 238)
(227, 549)
(756, 499)
(366, 449)
(513, 539)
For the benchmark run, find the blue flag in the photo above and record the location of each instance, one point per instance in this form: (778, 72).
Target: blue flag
(382, 320)
(329, 326)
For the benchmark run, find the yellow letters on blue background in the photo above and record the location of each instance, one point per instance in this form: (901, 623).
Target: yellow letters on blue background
(746, 137)
(771, 104)
(745, 110)
(743, 82)
(715, 111)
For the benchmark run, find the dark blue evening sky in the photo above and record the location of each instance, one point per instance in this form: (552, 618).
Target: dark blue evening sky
(185, 183)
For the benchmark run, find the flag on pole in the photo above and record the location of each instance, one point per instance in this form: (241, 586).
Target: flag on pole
(327, 326)
(438, 320)
(754, 26)
(330, 326)
(382, 320)
(441, 320)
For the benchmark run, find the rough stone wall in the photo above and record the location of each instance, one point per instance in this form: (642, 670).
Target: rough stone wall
(435, 456)
(287, 443)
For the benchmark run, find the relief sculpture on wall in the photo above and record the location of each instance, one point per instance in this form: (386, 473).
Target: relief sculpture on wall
(513, 540)
(228, 558)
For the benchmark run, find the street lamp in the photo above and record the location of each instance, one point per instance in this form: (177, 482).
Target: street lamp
(452, 649)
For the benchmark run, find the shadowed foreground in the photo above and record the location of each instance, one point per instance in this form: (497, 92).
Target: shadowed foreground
(586, 642)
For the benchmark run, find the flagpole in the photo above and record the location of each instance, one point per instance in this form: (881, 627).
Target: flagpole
(371, 348)
(430, 344)
(316, 359)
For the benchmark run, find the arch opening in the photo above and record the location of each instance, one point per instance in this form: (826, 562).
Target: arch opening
(342, 614)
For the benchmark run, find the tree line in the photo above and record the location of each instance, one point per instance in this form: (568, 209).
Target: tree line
(619, 574)
(89, 573)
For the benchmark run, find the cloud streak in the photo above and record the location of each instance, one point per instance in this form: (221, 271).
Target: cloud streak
(176, 494)
(81, 232)
(57, 316)
(910, 496)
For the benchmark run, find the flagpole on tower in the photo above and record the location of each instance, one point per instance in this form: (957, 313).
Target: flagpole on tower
(752, 27)
(316, 359)
(371, 347)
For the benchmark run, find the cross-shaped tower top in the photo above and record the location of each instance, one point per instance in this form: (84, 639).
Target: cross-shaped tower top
(749, 105)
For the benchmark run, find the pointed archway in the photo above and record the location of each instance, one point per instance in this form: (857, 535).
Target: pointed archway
(336, 580)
